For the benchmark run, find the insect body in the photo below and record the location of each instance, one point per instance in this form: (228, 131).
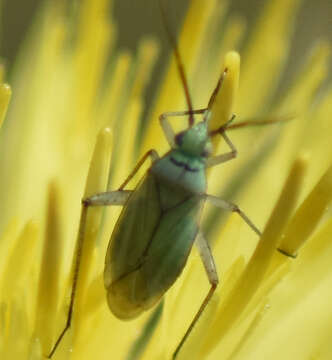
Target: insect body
(159, 222)
(160, 219)
(158, 225)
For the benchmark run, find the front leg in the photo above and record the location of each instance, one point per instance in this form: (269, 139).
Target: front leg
(166, 126)
(108, 198)
(215, 160)
(102, 199)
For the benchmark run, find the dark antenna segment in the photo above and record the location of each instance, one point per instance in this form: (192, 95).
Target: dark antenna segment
(217, 88)
(179, 63)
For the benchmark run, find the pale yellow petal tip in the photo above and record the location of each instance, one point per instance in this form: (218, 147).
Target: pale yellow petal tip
(232, 64)
(288, 199)
(100, 162)
(5, 95)
(106, 132)
(308, 215)
(292, 191)
(104, 140)
(232, 61)
(223, 107)
(302, 162)
(49, 276)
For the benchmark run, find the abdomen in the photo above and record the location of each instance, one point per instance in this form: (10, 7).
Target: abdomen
(142, 264)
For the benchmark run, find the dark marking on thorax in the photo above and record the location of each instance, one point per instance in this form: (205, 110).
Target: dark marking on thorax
(183, 165)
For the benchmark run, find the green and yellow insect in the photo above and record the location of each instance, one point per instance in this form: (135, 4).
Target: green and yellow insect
(159, 222)
(160, 219)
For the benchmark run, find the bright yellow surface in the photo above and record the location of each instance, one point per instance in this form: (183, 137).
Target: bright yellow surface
(71, 119)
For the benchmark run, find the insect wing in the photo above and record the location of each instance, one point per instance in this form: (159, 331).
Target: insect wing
(171, 245)
(149, 246)
(125, 254)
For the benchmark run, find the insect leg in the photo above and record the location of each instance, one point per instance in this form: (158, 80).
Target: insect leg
(211, 271)
(101, 199)
(166, 126)
(215, 160)
(152, 154)
(226, 205)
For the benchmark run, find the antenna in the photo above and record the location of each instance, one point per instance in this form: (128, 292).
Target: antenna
(217, 88)
(179, 63)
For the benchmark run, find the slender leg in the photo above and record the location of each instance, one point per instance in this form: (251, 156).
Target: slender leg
(211, 271)
(226, 205)
(153, 155)
(208, 261)
(168, 131)
(102, 199)
(215, 160)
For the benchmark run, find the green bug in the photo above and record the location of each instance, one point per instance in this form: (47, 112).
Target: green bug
(159, 221)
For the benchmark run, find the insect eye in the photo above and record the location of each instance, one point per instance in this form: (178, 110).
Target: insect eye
(179, 138)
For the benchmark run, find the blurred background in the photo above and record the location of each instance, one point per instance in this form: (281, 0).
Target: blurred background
(136, 18)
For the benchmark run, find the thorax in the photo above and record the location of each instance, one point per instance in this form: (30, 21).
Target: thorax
(181, 173)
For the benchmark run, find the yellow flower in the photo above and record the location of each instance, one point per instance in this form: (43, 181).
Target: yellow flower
(74, 119)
